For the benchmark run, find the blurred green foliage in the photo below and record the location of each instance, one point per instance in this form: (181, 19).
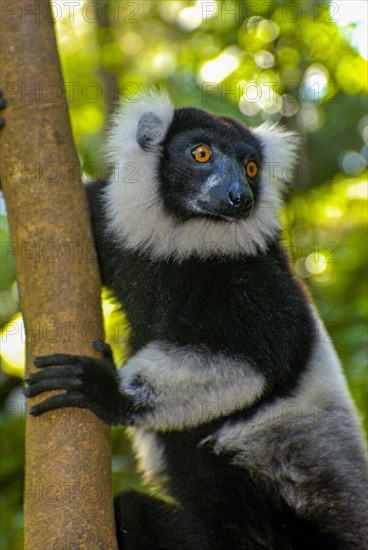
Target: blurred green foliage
(291, 62)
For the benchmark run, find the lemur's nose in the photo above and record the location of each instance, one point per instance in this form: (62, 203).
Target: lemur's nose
(234, 198)
(240, 197)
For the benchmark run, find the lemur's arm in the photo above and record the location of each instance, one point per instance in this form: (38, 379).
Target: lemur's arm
(148, 390)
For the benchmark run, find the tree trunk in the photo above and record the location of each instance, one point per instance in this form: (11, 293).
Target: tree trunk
(68, 493)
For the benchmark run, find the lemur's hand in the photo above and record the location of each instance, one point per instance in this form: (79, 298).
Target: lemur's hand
(88, 383)
(3, 104)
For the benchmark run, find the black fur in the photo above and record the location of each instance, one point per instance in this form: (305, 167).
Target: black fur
(192, 303)
(248, 308)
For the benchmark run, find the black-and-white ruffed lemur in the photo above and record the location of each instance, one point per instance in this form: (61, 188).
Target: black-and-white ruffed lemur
(233, 392)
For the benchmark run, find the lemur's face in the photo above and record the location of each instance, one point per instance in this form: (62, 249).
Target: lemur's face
(210, 167)
(190, 182)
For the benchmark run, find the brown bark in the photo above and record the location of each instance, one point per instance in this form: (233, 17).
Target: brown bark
(68, 494)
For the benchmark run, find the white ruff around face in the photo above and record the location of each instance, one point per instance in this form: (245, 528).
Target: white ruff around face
(135, 210)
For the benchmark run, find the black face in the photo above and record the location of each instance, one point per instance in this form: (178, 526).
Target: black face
(210, 167)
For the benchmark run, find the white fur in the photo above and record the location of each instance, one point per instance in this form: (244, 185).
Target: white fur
(308, 446)
(185, 388)
(150, 454)
(280, 149)
(135, 211)
(321, 396)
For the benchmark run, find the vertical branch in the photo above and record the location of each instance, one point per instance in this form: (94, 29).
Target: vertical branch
(68, 494)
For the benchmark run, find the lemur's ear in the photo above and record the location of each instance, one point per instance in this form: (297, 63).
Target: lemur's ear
(150, 130)
(139, 124)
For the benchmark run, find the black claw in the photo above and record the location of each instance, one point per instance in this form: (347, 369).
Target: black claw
(68, 384)
(60, 359)
(2, 123)
(103, 348)
(74, 371)
(3, 103)
(73, 399)
(100, 345)
(80, 376)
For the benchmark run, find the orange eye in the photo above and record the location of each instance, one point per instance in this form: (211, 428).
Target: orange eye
(201, 153)
(251, 169)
